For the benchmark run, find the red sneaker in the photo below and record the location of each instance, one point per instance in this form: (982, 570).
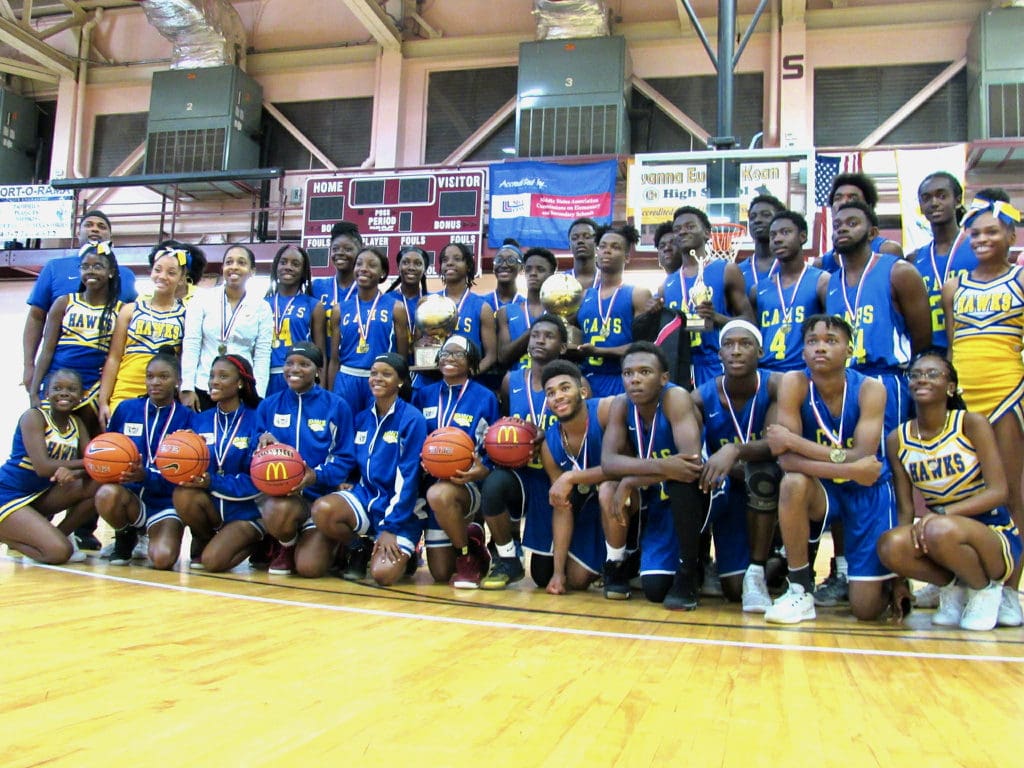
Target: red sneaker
(283, 563)
(478, 548)
(467, 572)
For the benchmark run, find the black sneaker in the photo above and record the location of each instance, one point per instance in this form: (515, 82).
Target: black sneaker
(358, 561)
(683, 594)
(414, 560)
(88, 541)
(616, 583)
(504, 571)
(124, 542)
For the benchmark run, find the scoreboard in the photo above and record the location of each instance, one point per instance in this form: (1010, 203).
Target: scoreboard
(427, 208)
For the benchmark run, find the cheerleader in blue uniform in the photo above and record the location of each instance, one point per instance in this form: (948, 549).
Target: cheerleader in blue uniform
(509, 495)
(78, 330)
(142, 499)
(369, 324)
(607, 312)
(298, 314)
(219, 507)
(789, 295)
(44, 475)
(456, 550)
(476, 318)
(571, 454)
(514, 320)
(318, 424)
(384, 504)
(965, 543)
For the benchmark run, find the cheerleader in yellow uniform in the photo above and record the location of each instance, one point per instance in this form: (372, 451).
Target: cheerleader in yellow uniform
(965, 543)
(985, 324)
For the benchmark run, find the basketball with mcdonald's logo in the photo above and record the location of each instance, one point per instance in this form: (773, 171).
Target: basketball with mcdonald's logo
(277, 469)
(446, 451)
(509, 442)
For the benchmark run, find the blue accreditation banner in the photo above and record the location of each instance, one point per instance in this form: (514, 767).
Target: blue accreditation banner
(535, 202)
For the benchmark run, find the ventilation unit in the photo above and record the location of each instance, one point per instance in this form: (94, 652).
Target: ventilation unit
(203, 120)
(995, 75)
(572, 97)
(18, 126)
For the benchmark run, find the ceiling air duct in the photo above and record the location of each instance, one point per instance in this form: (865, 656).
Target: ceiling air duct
(204, 33)
(568, 19)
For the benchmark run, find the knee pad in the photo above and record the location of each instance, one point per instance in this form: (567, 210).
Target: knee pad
(762, 479)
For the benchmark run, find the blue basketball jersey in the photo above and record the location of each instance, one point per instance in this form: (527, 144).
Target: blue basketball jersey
(880, 342)
(328, 292)
(752, 277)
(590, 453)
(935, 269)
(781, 312)
(842, 425)
(519, 322)
(606, 322)
(528, 405)
(652, 442)
(376, 319)
(496, 303)
(293, 322)
(719, 429)
(468, 323)
(704, 354)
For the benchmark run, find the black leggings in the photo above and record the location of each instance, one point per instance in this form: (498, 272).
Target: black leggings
(500, 492)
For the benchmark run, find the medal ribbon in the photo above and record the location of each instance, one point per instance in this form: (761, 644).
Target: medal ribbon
(444, 418)
(836, 438)
(227, 324)
(949, 260)
(641, 452)
(606, 315)
(364, 330)
(150, 431)
(279, 315)
(745, 436)
(787, 311)
(853, 311)
(220, 445)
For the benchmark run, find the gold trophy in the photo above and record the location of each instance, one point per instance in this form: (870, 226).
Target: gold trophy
(436, 318)
(700, 293)
(562, 295)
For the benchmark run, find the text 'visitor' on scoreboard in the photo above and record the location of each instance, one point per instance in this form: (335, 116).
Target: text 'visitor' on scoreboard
(427, 208)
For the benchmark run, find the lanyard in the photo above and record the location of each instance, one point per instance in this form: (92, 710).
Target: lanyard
(641, 451)
(444, 418)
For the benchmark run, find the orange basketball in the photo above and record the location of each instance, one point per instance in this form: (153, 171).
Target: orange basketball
(446, 451)
(182, 456)
(110, 455)
(509, 442)
(277, 470)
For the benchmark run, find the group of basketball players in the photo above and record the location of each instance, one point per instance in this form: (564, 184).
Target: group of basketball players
(755, 404)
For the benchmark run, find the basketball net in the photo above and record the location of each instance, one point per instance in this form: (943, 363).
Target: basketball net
(724, 241)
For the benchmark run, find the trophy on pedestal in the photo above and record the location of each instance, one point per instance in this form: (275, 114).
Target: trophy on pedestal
(436, 317)
(562, 295)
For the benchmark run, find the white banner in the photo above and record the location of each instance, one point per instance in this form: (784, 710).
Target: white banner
(912, 165)
(38, 211)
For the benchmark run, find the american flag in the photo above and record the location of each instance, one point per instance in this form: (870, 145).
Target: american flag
(826, 168)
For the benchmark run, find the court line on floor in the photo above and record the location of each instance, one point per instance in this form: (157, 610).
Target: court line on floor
(595, 633)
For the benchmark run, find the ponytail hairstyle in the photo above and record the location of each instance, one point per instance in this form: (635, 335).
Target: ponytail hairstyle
(247, 391)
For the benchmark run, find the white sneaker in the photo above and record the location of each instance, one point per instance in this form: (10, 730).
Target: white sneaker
(982, 608)
(791, 608)
(107, 551)
(927, 597)
(141, 551)
(951, 606)
(755, 592)
(77, 555)
(1009, 609)
(712, 584)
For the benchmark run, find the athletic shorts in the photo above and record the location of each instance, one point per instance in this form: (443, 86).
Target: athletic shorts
(587, 546)
(866, 514)
(434, 534)
(729, 528)
(368, 522)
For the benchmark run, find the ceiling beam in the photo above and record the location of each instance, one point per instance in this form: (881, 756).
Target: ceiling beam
(29, 71)
(377, 23)
(27, 43)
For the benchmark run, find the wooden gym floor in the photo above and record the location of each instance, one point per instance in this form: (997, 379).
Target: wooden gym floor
(111, 665)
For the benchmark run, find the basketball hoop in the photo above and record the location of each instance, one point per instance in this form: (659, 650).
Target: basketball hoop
(724, 241)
